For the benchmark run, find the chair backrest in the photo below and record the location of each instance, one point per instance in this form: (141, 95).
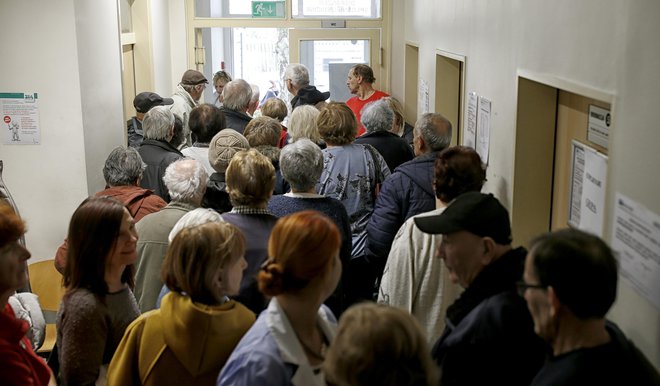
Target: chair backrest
(46, 283)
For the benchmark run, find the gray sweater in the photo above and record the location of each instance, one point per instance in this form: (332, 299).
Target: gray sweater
(89, 330)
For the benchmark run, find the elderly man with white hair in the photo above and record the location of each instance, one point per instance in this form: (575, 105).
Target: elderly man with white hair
(186, 182)
(156, 150)
(236, 101)
(377, 119)
(296, 79)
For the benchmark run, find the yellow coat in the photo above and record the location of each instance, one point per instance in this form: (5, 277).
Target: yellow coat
(183, 343)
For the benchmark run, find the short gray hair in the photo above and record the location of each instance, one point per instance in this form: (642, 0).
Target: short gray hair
(302, 123)
(236, 95)
(298, 74)
(195, 217)
(435, 130)
(301, 164)
(186, 180)
(157, 123)
(377, 116)
(123, 167)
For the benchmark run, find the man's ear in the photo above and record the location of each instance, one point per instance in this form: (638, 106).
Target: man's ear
(488, 250)
(170, 133)
(419, 142)
(553, 301)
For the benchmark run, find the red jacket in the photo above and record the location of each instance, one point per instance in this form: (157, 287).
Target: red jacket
(140, 202)
(19, 364)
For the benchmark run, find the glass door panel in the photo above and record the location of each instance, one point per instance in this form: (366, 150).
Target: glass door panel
(329, 55)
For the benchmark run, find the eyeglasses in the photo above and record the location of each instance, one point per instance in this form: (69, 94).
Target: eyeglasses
(521, 286)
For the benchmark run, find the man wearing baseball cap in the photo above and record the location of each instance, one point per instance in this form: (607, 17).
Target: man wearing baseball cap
(143, 102)
(187, 96)
(489, 335)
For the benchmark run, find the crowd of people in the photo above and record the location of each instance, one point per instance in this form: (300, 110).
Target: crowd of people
(319, 243)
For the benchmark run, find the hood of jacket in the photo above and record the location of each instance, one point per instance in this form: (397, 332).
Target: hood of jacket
(127, 193)
(309, 95)
(202, 336)
(420, 171)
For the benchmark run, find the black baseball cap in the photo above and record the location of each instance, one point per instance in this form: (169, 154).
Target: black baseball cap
(474, 212)
(144, 101)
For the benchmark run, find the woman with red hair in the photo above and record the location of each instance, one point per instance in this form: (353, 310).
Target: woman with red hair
(19, 364)
(287, 343)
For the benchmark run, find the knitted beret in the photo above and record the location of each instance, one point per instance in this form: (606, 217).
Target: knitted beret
(223, 146)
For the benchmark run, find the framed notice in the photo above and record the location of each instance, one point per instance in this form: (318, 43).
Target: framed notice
(586, 209)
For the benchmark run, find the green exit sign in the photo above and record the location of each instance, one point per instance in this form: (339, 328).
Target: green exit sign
(266, 9)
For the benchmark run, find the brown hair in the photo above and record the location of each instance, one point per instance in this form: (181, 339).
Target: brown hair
(93, 233)
(301, 247)
(379, 345)
(364, 71)
(195, 256)
(458, 169)
(263, 131)
(250, 178)
(337, 124)
(11, 226)
(275, 108)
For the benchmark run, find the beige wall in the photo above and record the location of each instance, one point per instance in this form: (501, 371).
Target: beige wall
(607, 46)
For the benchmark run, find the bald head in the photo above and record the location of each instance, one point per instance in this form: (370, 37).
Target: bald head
(432, 133)
(236, 95)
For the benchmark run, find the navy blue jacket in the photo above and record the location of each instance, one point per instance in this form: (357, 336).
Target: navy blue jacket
(406, 192)
(489, 337)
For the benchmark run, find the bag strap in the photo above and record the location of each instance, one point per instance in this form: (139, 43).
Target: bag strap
(374, 157)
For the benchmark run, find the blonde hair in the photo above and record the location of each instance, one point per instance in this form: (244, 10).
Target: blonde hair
(302, 123)
(302, 246)
(337, 124)
(379, 345)
(250, 179)
(397, 109)
(196, 255)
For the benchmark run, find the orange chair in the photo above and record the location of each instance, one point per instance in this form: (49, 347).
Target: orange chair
(46, 283)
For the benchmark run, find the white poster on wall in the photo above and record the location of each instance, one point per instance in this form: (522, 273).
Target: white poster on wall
(424, 96)
(587, 193)
(20, 119)
(598, 130)
(483, 129)
(636, 240)
(470, 138)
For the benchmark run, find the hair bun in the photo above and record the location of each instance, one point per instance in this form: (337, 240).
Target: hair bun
(270, 279)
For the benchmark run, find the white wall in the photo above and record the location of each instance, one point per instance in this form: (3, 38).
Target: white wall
(634, 156)
(100, 72)
(609, 46)
(160, 39)
(49, 180)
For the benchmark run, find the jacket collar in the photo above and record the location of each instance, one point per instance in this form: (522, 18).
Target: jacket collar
(180, 91)
(498, 277)
(161, 144)
(237, 114)
(290, 348)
